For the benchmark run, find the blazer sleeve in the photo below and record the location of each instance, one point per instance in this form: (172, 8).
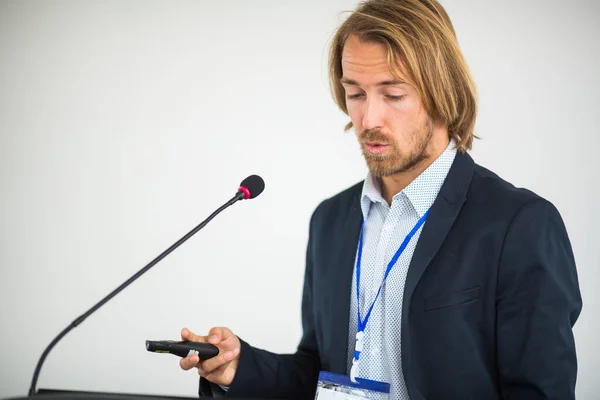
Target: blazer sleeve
(538, 303)
(265, 374)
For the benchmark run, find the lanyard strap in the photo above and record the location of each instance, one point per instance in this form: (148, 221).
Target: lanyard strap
(362, 324)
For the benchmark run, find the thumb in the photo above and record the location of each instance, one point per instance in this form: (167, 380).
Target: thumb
(225, 339)
(190, 336)
(218, 335)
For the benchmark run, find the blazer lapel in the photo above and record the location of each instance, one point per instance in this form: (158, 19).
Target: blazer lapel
(341, 301)
(443, 213)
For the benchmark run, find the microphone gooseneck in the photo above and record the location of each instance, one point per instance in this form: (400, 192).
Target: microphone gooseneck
(252, 187)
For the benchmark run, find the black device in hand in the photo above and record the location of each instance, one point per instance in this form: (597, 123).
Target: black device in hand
(183, 348)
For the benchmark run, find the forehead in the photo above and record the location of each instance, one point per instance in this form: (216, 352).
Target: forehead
(365, 61)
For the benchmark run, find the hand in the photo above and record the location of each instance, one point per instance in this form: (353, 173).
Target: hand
(220, 369)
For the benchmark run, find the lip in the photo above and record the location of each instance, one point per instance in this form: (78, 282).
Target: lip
(376, 148)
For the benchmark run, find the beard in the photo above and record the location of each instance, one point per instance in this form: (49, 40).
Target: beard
(394, 161)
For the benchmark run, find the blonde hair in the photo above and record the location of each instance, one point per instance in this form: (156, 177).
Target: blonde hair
(421, 35)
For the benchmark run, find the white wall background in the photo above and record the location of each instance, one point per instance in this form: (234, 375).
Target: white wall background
(125, 123)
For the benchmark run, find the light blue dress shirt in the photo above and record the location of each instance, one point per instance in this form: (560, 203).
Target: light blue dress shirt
(385, 228)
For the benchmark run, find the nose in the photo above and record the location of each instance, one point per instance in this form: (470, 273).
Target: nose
(372, 114)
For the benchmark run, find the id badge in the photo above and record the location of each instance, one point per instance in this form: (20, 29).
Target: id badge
(339, 387)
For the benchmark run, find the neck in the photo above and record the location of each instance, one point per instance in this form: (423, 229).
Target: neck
(394, 184)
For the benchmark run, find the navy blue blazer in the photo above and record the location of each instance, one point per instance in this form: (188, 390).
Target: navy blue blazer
(490, 299)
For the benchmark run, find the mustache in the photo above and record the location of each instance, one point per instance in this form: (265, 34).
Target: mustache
(374, 135)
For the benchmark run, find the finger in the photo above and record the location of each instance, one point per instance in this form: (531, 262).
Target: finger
(222, 375)
(189, 362)
(190, 336)
(218, 361)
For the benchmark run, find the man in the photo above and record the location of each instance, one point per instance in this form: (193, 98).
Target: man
(472, 282)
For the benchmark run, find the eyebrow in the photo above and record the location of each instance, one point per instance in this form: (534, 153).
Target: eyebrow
(351, 82)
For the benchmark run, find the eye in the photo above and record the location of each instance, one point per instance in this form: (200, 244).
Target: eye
(395, 98)
(354, 96)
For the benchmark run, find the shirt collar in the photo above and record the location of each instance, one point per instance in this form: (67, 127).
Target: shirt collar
(421, 192)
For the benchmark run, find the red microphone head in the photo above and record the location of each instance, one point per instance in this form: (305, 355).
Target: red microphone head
(252, 186)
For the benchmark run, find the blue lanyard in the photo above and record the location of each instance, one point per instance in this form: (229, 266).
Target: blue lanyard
(363, 324)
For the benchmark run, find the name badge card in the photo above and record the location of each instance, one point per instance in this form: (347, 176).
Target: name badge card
(339, 387)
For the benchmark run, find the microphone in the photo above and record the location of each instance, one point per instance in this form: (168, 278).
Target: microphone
(249, 188)
(204, 351)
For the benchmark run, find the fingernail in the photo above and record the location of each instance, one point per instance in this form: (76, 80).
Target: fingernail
(236, 351)
(213, 338)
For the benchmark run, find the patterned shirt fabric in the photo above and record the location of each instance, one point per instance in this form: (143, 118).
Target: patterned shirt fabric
(385, 228)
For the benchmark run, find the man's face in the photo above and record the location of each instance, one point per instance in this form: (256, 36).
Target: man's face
(391, 124)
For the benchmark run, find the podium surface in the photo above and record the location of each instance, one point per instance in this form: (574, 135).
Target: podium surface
(51, 394)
